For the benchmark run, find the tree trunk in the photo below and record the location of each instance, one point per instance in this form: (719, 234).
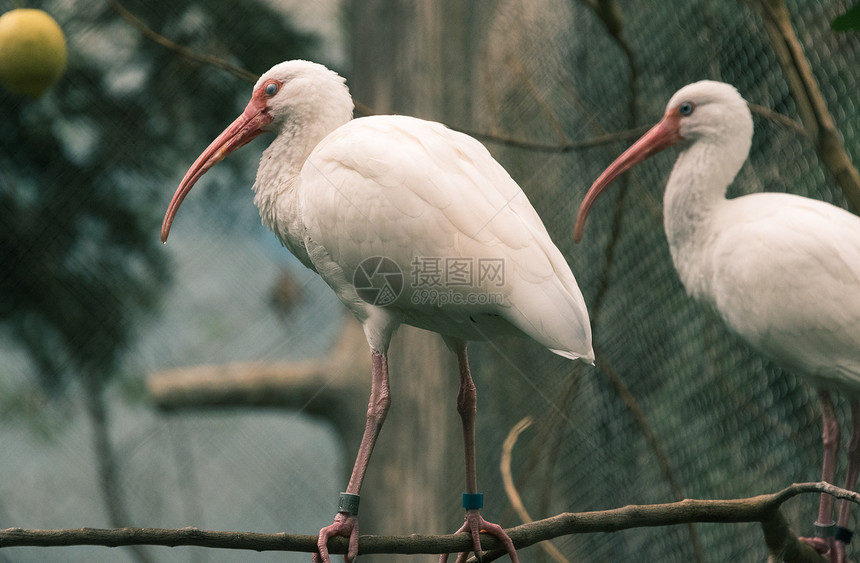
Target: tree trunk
(415, 58)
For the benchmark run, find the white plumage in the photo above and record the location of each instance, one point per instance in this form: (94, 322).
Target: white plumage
(338, 192)
(786, 278)
(782, 270)
(405, 188)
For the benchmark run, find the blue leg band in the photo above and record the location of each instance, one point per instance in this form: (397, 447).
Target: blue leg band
(473, 501)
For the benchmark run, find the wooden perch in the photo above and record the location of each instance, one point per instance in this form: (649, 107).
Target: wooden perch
(762, 508)
(334, 387)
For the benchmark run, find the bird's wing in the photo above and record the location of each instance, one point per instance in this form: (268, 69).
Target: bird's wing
(787, 279)
(435, 202)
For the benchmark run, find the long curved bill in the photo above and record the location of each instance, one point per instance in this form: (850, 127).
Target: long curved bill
(659, 137)
(245, 128)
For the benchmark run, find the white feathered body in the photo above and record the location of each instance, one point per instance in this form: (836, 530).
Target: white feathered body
(782, 270)
(427, 197)
(784, 273)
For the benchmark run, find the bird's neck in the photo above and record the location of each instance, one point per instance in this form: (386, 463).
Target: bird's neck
(276, 186)
(695, 192)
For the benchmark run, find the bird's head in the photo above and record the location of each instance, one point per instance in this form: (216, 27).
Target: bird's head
(296, 95)
(302, 93)
(709, 111)
(704, 111)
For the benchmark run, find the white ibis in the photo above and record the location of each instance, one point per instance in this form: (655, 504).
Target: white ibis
(408, 222)
(782, 270)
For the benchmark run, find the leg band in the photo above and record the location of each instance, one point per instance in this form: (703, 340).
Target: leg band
(348, 503)
(824, 530)
(473, 501)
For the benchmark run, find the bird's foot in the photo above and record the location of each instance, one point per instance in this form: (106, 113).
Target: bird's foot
(474, 525)
(346, 525)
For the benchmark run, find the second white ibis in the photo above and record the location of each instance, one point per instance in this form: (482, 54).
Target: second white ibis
(408, 222)
(782, 270)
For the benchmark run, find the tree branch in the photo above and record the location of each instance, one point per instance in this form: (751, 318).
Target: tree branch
(511, 490)
(333, 388)
(641, 420)
(807, 95)
(761, 508)
(596, 141)
(365, 110)
(181, 50)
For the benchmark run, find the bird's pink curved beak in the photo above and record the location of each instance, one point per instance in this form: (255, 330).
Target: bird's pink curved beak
(247, 126)
(665, 134)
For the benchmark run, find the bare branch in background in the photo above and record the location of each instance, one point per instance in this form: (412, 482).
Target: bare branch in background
(765, 509)
(610, 16)
(511, 489)
(571, 146)
(331, 388)
(365, 110)
(181, 50)
(817, 119)
(777, 117)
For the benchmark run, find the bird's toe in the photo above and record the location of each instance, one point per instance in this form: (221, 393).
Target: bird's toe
(345, 525)
(474, 525)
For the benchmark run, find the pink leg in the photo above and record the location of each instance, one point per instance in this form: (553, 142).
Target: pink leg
(850, 483)
(346, 522)
(830, 438)
(467, 407)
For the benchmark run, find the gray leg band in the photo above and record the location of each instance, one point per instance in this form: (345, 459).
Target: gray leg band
(348, 503)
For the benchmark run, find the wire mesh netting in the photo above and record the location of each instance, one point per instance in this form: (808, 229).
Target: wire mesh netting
(92, 304)
(729, 422)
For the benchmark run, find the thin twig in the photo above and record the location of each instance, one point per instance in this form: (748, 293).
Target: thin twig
(608, 12)
(365, 110)
(361, 108)
(516, 66)
(807, 95)
(570, 146)
(181, 50)
(642, 420)
(780, 118)
(650, 435)
(511, 489)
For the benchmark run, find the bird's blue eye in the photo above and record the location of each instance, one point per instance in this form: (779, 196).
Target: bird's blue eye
(686, 108)
(271, 88)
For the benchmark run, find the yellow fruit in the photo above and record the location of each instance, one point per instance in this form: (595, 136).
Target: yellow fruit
(32, 51)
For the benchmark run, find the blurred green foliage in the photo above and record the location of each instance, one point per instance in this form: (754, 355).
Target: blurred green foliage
(848, 21)
(85, 170)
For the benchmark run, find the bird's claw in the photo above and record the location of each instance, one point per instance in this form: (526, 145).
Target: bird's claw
(474, 525)
(346, 525)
